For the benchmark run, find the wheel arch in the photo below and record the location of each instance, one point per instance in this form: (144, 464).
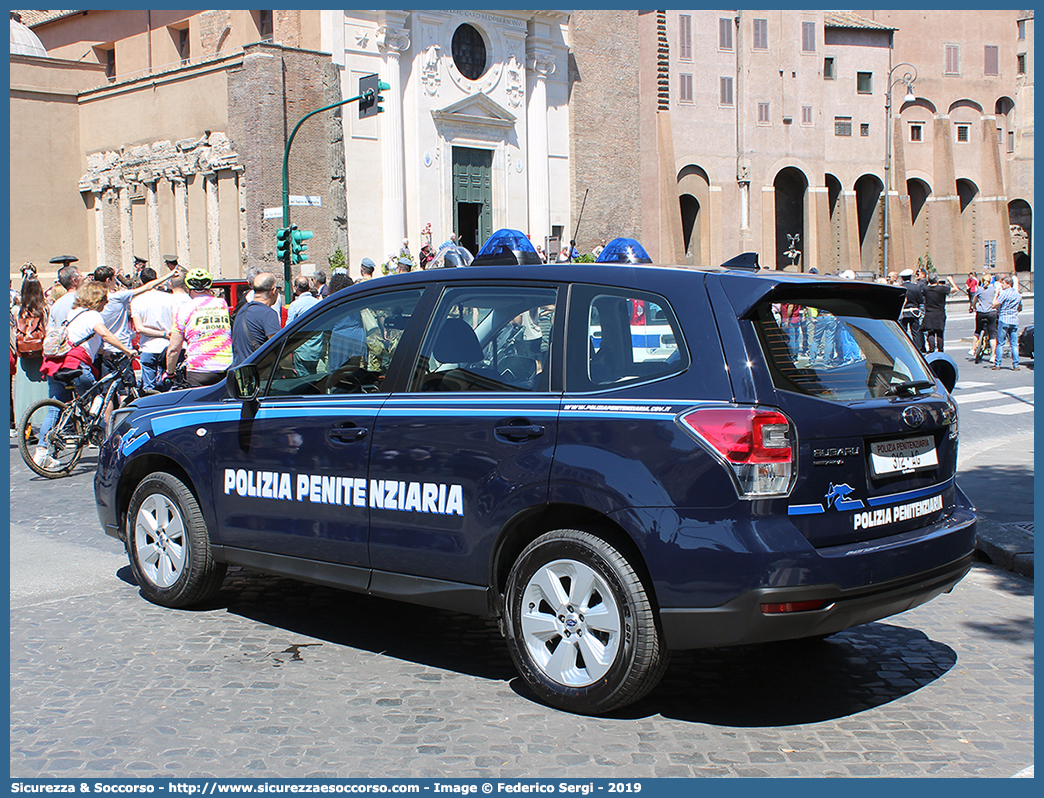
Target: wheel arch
(526, 527)
(135, 471)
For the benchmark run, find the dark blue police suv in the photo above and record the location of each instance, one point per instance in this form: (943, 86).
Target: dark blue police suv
(614, 460)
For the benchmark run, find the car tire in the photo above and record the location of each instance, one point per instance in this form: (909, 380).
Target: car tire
(580, 625)
(168, 545)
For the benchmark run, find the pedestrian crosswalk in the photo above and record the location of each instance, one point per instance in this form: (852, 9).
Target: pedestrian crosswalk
(997, 401)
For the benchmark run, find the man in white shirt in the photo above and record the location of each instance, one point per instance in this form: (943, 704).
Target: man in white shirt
(153, 317)
(117, 314)
(70, 279)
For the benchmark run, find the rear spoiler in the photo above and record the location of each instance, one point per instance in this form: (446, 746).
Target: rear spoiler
(874, 300)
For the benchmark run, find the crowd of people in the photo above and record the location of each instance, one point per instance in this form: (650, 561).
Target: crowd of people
(995, 299)
(165, 321)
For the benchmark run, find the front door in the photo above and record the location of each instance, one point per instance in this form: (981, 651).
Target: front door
(291, 472)
(472, 196)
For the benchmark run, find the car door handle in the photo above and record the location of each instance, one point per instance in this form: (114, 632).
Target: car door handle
(347, 433)
(519, 432)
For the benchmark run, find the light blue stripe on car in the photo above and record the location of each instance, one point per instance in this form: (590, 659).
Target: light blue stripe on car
(188, 418)
(805, 509)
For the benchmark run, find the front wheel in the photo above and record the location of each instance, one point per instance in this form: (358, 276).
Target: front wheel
(57, 453)
(580, 626)
(168, 545)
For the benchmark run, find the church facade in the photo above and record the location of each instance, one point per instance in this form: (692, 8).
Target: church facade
(474, 133)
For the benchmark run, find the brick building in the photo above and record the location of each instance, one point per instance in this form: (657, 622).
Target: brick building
(156, 132)
(708, 133)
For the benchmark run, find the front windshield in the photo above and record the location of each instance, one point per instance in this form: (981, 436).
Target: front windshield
(836, 354)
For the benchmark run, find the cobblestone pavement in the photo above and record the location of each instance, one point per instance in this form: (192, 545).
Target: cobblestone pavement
(282, 679)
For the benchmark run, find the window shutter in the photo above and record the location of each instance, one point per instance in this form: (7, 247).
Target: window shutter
(992, 65)
(685, 37)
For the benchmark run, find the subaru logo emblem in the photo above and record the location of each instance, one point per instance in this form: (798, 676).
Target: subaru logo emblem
(913, 416)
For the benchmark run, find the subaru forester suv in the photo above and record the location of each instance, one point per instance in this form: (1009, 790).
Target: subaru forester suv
(501, 440)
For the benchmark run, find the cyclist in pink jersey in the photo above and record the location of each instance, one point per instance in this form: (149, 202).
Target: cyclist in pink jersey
(203, 327)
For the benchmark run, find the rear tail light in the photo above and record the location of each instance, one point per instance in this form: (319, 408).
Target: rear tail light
(757, 445)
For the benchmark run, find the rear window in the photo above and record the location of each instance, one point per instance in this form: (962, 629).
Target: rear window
(830, 350)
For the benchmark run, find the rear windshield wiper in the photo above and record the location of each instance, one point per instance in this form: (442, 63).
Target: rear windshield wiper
(910, 386)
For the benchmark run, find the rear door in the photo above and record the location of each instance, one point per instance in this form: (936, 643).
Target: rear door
(469, 444)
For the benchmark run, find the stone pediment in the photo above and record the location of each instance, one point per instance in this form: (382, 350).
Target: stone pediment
(478, 109)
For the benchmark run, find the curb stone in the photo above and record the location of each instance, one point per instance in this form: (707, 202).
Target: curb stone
(1006, 547)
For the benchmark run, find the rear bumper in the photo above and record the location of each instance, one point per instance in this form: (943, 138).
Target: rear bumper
(741, 620)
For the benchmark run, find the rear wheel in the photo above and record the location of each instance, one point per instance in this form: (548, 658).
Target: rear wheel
(57, 453)
(168, 545)
(982, 347)
(580, 626)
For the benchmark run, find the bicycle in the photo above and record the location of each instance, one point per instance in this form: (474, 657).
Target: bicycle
(983, 347)
(79, 423)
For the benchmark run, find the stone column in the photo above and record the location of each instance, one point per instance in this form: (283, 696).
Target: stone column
(393, 39)
(241, 193)
(539, 64)
(99, 228)
(126, 232)
(152, 218)
(210, 186)
(946, 239)
(181, 232)
(713, 228)
(851, 252)
(769, 256)
(817, 228)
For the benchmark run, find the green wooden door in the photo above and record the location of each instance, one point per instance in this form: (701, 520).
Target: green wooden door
(472, 196)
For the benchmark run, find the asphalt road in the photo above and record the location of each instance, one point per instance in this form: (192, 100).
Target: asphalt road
(282, 679)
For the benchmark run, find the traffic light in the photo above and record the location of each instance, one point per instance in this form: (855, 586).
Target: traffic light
(283, 243)
(297, 245)
(370, 99)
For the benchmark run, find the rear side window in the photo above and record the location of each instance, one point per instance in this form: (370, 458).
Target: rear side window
(620, 337)
(829, 350)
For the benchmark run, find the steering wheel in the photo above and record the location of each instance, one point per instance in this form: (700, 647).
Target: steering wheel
(518, 370)
(343, 380)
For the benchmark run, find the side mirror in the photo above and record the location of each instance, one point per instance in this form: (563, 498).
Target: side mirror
(243, 382)
(943, 367)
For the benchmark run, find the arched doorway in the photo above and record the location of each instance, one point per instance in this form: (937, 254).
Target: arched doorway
(693, 202)
(967, 191)
(690, 214)
(869, 191)
(1020, 215)
(791, 185)
(1002, 110)
(919, 191)
(837, 216)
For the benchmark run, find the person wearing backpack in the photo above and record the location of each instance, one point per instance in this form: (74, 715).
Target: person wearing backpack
(30, 327)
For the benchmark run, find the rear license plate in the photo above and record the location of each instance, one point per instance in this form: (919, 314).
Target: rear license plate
(902, 456)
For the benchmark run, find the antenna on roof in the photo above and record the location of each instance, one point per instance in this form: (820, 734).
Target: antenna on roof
(747, 261)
